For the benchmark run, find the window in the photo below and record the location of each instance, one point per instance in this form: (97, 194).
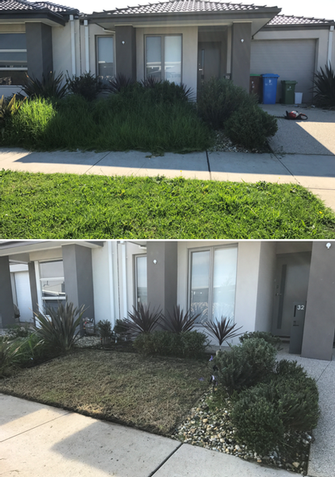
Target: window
(105, 58)
(141, 282)
(13, 58)
(163, 58)
(52, 283)
(213, 282)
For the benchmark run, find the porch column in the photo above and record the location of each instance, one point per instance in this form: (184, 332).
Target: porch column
(78, 277)
(241, 52)
(320, 318)
(6, 297)
(162, 275)
(125, 51)
(33, 287)
(39, 49)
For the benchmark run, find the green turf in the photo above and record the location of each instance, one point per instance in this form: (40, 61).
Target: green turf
(76, 206)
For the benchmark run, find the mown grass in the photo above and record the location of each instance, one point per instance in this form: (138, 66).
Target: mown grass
(85, 206)
(153, 394)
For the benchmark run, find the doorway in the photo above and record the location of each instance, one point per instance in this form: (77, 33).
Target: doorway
(209, 60)
(291, 285)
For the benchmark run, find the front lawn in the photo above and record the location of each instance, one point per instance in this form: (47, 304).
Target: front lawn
(151, 394)
(65, 206)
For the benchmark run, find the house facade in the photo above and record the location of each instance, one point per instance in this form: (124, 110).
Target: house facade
(285, 287)
(178, 40)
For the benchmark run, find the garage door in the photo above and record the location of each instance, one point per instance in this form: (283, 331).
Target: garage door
(291, 59)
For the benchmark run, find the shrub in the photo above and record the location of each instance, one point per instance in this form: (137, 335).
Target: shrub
(244, 365)
(105, 328)
(121, 330)
(250, 127)
(189, 344)
(49, 87)
(222, 330)
(8, 107)
(142, 320)
(178, 322)
(59, 328)
(219, 98)
(86, 85)
(258, 424)
(268, 337)
(324, 87)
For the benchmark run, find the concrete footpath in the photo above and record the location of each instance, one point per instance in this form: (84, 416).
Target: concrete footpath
(38, 440)
(315, 171)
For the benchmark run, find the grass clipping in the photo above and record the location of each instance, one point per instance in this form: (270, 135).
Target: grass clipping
(152, 394)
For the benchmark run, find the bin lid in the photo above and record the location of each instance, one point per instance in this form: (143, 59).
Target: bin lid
(270, 75)
(289, 82)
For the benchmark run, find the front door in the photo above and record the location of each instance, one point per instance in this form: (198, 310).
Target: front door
(209, 58)
(292, 275)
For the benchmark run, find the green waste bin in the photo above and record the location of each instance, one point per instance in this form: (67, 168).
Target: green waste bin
(288, 90)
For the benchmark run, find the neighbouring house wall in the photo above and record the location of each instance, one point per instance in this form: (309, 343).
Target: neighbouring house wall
(62, 48)
(267, 270)
(105, 286)
(319, 326)
(189, 51)
(295, 55)
(6, 298)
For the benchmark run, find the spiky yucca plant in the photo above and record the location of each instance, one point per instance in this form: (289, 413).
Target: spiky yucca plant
(9, 354)
(178, 321)
(49, 87)
(222, 330)
(324, 87)
(119, 83)
(142, 320)
(59, 328)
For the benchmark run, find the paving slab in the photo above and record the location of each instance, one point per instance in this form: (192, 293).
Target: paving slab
(191, 461)
(74, 444)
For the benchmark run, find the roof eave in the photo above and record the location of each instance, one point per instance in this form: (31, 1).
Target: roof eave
(44, 16)
(300, 26)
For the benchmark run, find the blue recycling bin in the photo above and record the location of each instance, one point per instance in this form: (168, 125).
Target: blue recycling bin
(269, 88)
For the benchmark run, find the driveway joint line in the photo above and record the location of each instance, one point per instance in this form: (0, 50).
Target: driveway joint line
(35, 427)
(209, 166)
(165, 460)
(96, 163)
(288, 170)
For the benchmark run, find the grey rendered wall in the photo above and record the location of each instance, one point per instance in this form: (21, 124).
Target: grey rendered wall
(125, 51)
(78, 277)
(39, 49)
(241, 51)
(320, 318)
(6, 300)
(162, 276)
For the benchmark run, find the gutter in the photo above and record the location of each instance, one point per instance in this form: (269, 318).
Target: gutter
(330, 45)
(73, 46)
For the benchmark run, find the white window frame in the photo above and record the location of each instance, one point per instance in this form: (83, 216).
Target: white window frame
(43, 301)
(136, 257)
(97, 53)
(211, 250)
(163, 36)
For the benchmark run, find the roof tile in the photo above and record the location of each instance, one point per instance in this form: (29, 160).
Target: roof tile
(292, 20)
(15, 5)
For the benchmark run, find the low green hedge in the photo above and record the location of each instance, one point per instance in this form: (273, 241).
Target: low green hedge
(189, 344)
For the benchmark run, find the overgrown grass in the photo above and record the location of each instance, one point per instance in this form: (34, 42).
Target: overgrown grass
(149, 393)
(119, 123)
(76, 206)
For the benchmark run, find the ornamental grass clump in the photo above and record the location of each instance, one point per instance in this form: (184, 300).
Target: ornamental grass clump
(142, 320)
(59, 328)
(178, 321)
